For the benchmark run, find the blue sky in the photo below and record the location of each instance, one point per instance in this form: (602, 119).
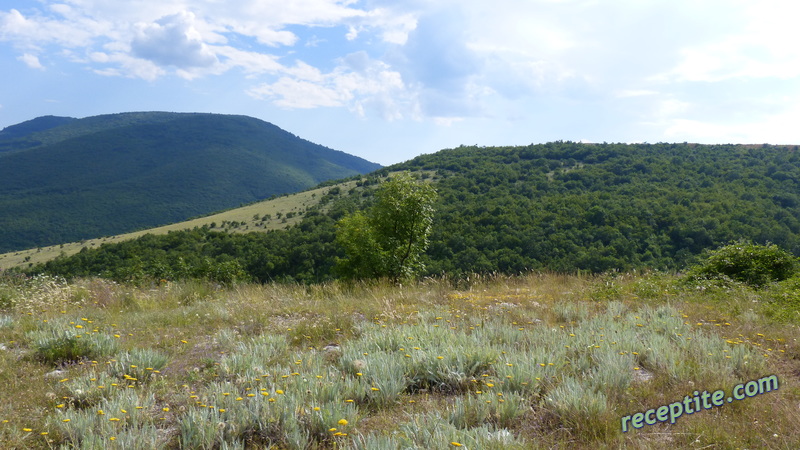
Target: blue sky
(388, 80)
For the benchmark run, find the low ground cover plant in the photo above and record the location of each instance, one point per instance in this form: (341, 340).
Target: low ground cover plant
(531, 361)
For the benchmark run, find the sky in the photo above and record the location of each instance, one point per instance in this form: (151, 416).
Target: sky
(388, 80)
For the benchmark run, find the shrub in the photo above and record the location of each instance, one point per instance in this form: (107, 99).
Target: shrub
(746, 262)
(59, 342)
(578, 406)
(137, 365)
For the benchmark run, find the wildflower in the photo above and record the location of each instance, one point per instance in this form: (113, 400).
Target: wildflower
(456, 444)
(165, 409)
(279, 391)
(27, 430)
(66, 420)
(342, 422)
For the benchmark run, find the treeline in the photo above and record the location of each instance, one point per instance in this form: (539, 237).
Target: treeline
(559, 206)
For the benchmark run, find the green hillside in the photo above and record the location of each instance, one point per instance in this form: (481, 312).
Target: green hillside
(19, 136)
(106, 175)
(561, 206)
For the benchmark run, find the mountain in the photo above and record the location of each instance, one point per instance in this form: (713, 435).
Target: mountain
(14, 136)
(71, 179)
(560, 206)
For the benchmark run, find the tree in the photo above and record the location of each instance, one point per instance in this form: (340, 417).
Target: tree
(389, 238)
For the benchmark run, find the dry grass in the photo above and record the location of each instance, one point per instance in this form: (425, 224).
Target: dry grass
(423, 365)
(296, 203)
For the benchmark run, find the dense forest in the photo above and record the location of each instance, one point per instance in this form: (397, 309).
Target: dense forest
(66, 180)
(560, 206)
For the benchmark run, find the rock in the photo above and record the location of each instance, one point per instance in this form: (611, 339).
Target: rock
(55, 374)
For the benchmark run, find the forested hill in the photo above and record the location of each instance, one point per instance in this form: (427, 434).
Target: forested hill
(567, 206)
(560, 206)
(69, 179)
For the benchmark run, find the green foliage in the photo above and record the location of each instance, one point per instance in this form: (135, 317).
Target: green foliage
(137, 365)
(389, 239)
(784, 301)
(355, 235)
(561, 206)
(578, 406)
(62, 342)
(746, 262)
(111, 174)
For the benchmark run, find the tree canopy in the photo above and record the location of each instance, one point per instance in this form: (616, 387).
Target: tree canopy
(389, 238)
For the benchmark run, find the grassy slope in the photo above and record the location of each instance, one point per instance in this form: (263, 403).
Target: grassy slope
(545, 342)
(298, 202)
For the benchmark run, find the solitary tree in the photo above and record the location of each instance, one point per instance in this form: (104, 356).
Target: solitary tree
(389, 238)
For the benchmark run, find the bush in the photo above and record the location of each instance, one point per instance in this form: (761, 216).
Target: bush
(59, 342)
(745, 262)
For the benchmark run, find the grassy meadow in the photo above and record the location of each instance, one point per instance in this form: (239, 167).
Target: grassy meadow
(534, 361)
(260, 216)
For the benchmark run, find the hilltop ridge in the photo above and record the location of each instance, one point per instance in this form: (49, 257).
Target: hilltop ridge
(67, 180)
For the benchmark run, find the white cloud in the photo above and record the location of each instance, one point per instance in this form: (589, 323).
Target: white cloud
(670, 66)
(252, 63)
(172, 41)
(759, 43)
(31, 32)
(358, 82)
(293, 93)
(31, 61)
(625, 93)
(775, 128)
